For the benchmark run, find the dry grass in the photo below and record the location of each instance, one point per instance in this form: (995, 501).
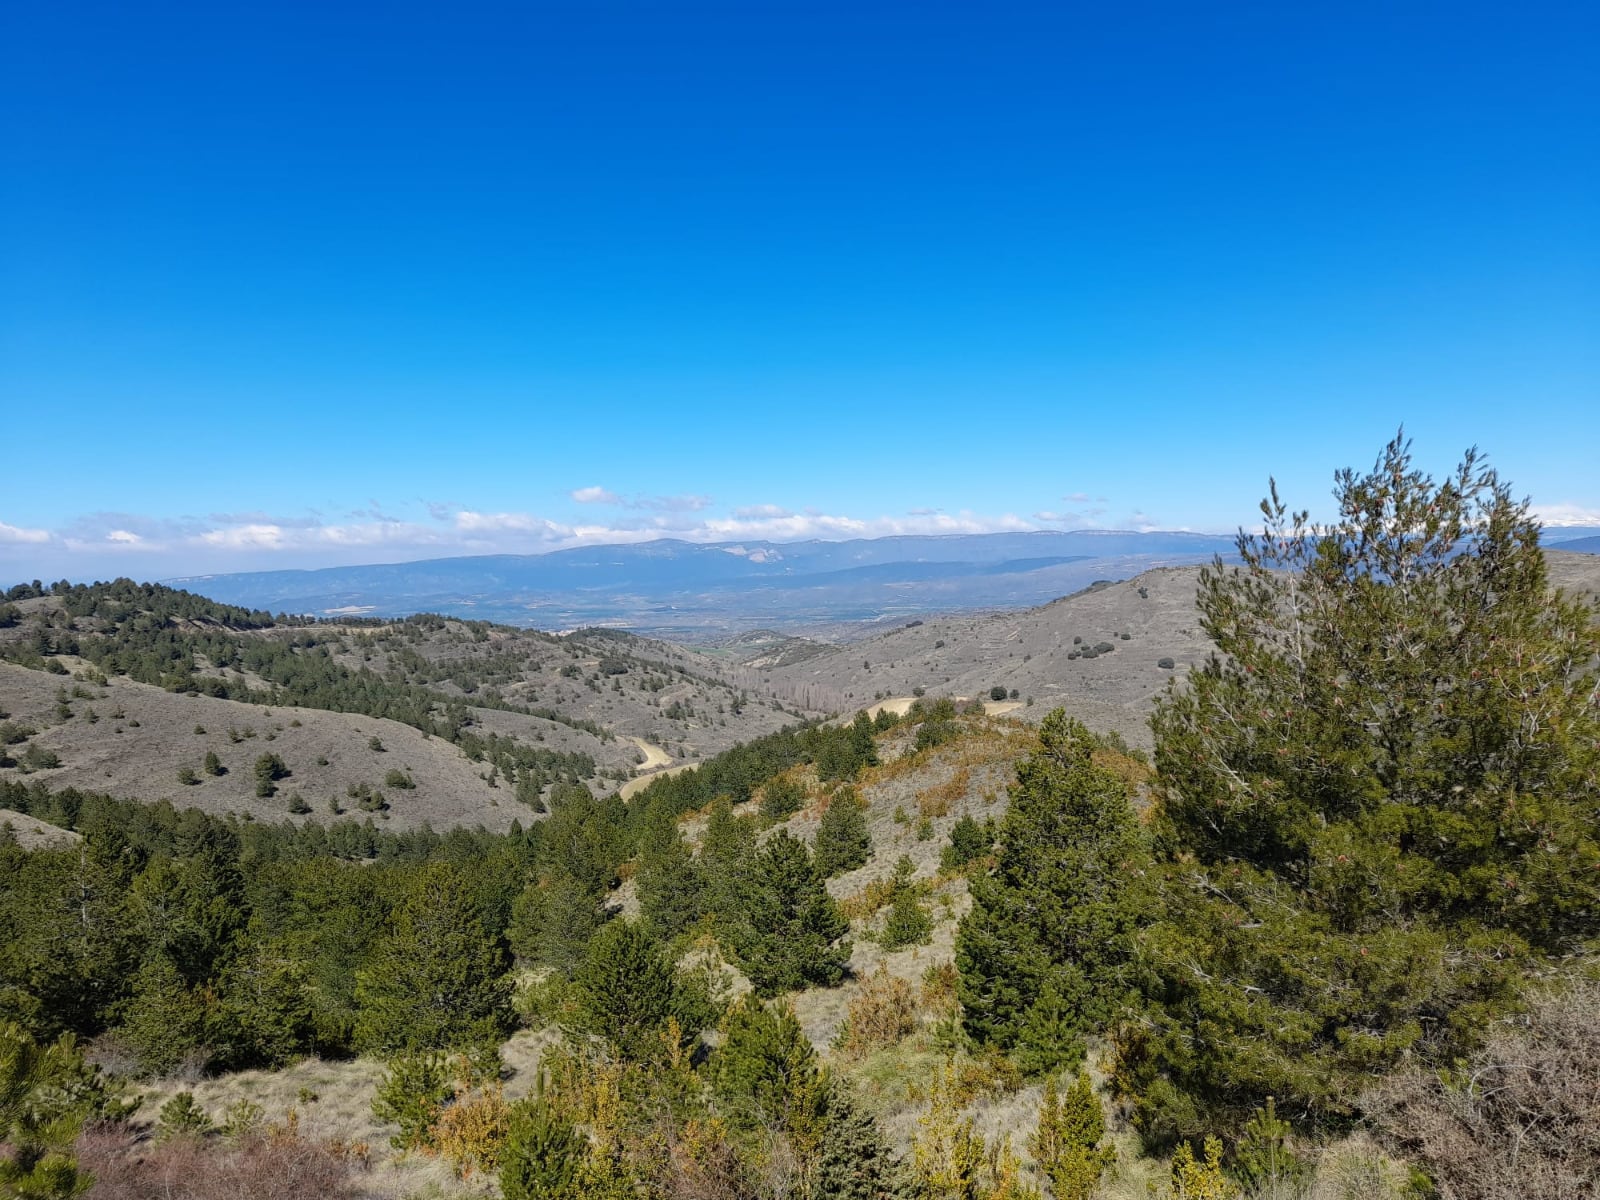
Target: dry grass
(934, 802)
(331, 1103)
(33, 834)
(884, 1010)
(1521, 1121)
(282, 1166)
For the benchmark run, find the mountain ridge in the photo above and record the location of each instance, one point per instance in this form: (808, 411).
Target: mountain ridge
(686, 589)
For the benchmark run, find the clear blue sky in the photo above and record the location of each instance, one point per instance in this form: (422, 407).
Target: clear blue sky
(293, 284)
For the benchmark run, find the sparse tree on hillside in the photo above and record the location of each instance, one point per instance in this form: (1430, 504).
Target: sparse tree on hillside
(843, 840)
(269, 769)
(1046, 952)
(792, 929)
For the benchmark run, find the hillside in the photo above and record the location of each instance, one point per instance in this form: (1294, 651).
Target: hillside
(126, 689)
(887, 1029)
(31, 833)
(1039, 653)
(1577, 571)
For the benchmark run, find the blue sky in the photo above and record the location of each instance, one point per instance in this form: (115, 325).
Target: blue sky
(299, 284)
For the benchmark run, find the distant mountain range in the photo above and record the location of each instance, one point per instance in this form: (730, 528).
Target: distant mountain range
(694, 590)
(698, 591)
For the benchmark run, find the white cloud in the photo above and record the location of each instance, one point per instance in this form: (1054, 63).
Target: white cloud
(826, 526)
(1079, 519)
(688, 502)
(16, 535)
(238, 537)
(751, 512)
(1566, 513)
(471, 522)
(95, 544)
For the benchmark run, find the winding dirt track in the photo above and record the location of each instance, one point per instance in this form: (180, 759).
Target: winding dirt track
(656, 764)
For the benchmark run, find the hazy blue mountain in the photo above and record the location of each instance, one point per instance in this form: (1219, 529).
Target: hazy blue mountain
(675, 586)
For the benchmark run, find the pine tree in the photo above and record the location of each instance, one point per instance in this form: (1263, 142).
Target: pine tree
(670, 884)
(855, 1163)
(781, 798)
(46, 1093)
(191, 908)
(908, 923)
(968, 841)
(1379, 798)
(1055, 920)
(437, 980)
(1067, 1142)
(843, 840)
(792, 930)
(411, 1094)
(626, 989)
(542, 1155)
(862, 742)
(552, 922)
(727, 860)
(583, 838)
(165, 1021)
(948, 1154)
(67, 935)
(1200, 1178)
(268, 770)
(264, 1014)
(1263, 1160)
(766, 1068)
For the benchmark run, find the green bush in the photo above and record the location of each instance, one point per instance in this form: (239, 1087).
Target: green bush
(412, 1094)
(181, 1116)
(542, 1154)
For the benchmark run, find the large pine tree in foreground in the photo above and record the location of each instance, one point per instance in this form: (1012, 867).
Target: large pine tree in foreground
(1379, 800)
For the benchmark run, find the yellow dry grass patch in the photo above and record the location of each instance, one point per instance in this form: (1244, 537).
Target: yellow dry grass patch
(332, 1101)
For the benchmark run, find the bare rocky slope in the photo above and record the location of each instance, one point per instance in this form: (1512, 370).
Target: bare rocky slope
(1104, 653)
(1150, 622)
